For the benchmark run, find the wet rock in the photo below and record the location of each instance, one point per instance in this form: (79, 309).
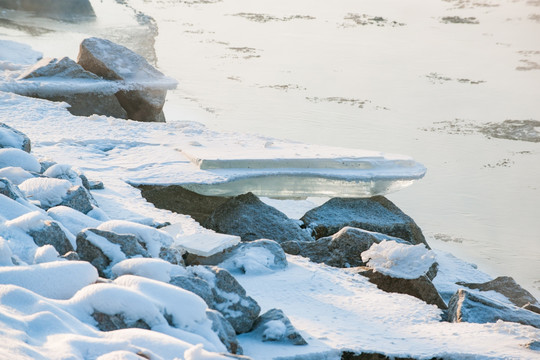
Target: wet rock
(251, 219)
(376, 214)
(116, 62)
(107, 322)
(421, 288)
(465, 306)
(508, 287)
(94, 246)
(274, 325)
(224, 331)
(80, 199)
(69, 10)
(176, 198)
(343, 249)
(13, 138)
(51, 234)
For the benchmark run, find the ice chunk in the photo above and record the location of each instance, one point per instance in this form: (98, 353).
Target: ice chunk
(205, 243)
(19, 158)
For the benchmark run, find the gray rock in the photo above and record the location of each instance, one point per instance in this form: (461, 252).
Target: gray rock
(52, 67)
(52, 234)
(10, 137)
(224, 331)
(251, 219)
(465, 306)
(176, 198)
(343, 249)
(116, 62)
(107, 322)
(10, 190)
(421, 288)
(376, 214)
(274, 325)
(92, 253)
(196, 285)
(172, 255)
(226, 258)
(68, 10)
(533, 345)
(80, 199)
(508, 287)
(71, 256)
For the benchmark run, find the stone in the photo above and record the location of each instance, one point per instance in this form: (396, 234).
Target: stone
(53, 67)
(172, 255)
(465, 306)
(51, 234)
(107, 322)
(80, 199)
(10, 190)
(274, 325)
(182, 201)
(196, 285)
(421, 288)
(116, 62)
(10, 137)
(508, 287)
(100, 258)
(224, 331)
(251, 219)
(376, 214)
(343, 249)
(68, 10)
(531, 307)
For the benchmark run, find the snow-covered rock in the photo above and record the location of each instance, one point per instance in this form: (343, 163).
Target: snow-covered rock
(18, 158)
(376, 214)
(16, 175)
(274, 325)
(13, 138)
(224, 330)
(156, 269)
(204, 244)
(251, 219)
(508, 287)
(59, 68)
(80, 199)
(73, 220)
(47, 191)
(256, 257)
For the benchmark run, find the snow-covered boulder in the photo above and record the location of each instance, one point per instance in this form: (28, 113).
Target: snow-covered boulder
(7, 188)
(69, 10)
(64, 171)
(222, 292)
(376, 214)
(251, 219)
(508, 287)
(19, 158)
(80, 199)
(224, 331)
(466, 306)
(116, 62)
(343, 249)
(274, 325)
(48, 192)
(16, 175)
(13, 138)
(73, 220)
(59, 68)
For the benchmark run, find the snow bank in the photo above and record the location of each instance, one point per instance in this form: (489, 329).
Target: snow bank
(19, 158)
(55, 280)
(73, 220)
(399, 260)
(47, 191)
(15, 174)
(154, 239)
(156, 269)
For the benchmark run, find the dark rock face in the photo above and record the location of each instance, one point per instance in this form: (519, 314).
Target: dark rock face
(224, 331)
(251, 219)
(23, 142)
(176, 198)
(116, 62)
(221, 292)
(274, 325)
(52, 234)
(79, 198)
(7, 188)
(376, 214)
(343, 249)
(465, 306)
(421, 288)
(508, 287)
(107, 322)
(69, 10)
(87, 251)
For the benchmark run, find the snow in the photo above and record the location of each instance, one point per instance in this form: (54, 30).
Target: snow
(251, 260)
(18, 158)
(73, 220)
(15, 54)
(399, 260)
(274, 330)
(63, 171)
(5, 253)
(112, 251)
(48, 191)
(204, 244)
(55, 280)
(15, 174)
(155, 269)
(9, 139)
(11, 209)
(29, 221)
(46, 253)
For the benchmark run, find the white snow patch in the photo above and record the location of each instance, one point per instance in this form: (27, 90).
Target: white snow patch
(156, 269)
(46, 253)
(253, 260)
(49, 192)
(399, 260)
(274, 330)
(15, 174)
(10, 139)
(5, 253)
(197, 352)
(19, 158)
(63, 171)
(11, 209)
(75, 221)
(28, 222)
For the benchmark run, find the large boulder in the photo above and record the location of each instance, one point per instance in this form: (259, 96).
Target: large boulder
(13, 138)
(421, 287)
(274, 325)
(116, 62)
(466, 306)
(80, 199)
(343, 249)
(376, 214)
(176, 198)
(69, 10)
(221, 292)
(508, 287)
(251, 219)
(224, 331)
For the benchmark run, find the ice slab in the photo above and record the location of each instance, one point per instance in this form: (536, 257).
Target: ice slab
(203, 243)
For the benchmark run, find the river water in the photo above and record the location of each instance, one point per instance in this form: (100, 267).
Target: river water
(453, 83)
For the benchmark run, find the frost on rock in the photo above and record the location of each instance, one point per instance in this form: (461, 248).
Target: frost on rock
(274, 325)
(18, 158)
